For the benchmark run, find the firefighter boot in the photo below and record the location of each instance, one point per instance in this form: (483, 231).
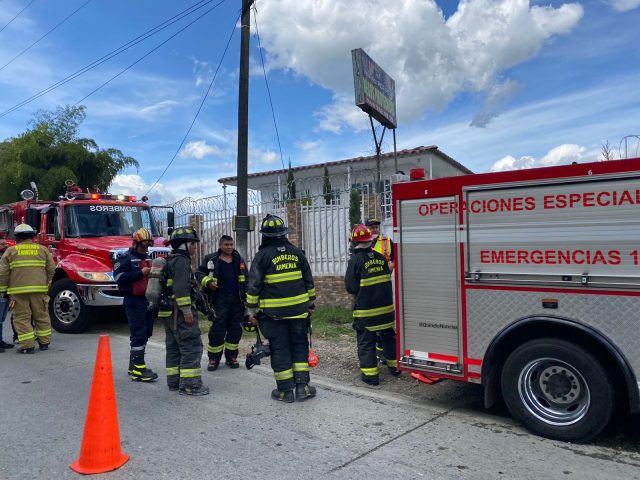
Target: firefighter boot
(370, 379)
(284, 396)
(138, 371)
(232, 362)
(195, 391)
(304, 391)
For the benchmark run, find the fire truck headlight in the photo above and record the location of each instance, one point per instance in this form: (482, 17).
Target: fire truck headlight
(122, 198)
(97, 276)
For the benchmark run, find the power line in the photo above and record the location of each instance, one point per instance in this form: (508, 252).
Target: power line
(43, 36)
(264, 71)
(149, 52)
(200, 107)
(17, 15)
(158, 28)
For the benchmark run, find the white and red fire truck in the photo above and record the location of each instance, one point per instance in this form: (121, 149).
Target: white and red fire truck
(527, 282)
(85, 232)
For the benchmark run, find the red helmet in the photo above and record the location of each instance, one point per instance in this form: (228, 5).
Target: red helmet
(361, 234)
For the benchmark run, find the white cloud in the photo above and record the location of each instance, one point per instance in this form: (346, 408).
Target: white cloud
(497, 99)
(308, 145)
(135, 185)
(511, 163)
(199, 149)
(623, 5)
(431, 59)
(560, 155)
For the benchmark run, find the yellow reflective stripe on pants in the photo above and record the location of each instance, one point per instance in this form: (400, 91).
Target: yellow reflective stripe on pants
(372, 312)
(301, 367)
(183, 301)
(173, 371)
(384, 326)
(169, 282)
(252, 300)
(284, 302)
(29, 289)
(164, 313)
(366, 282)
(392, 363)
(27, 263)
(283, 277)
(26, 336)
(370, 372)
(231, 346)
(312, 292)
(283, 375)
(190, 372)
(242, 278)
(215, 349)
(43, 333)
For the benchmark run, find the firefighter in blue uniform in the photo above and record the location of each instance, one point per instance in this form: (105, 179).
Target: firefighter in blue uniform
(280, 299)
(131, 272)
(223, 275)
(368, 279)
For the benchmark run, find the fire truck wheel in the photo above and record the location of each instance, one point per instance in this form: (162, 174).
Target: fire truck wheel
(558, 390)
(68, 312)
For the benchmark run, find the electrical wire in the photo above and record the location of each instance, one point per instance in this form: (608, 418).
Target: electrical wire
(17, 15)
(158, 28)
(264, 71)
(149, 52)
(184, 138)
(43, 36)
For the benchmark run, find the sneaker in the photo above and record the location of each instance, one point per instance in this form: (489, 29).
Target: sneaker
(232, 362)
(369, 379)
(304, 391)
(6, 345)
(26, 350)
(194, 391)
(286, 396)
(143, 374)
(213, 365)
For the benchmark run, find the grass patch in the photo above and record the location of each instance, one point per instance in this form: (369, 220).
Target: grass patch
(331, 322)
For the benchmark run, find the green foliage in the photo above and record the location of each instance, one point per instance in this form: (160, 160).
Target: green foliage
(291, 184)
(51, 152)
(331, 322)
(354, 208)
(326, 187)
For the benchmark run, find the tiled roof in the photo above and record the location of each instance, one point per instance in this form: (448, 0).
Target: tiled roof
(401, 153)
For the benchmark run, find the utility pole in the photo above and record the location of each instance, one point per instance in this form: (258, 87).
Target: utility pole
(242, 219)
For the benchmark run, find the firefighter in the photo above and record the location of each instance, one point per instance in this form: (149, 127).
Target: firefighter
(183, 341)
(131, 272)
(368, 279)
(4, 304)
(224, 275)
(280, 288)
(383, 245)
(26, 271)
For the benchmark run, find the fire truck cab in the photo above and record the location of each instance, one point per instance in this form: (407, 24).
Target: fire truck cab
(527, 282)
(85, 233)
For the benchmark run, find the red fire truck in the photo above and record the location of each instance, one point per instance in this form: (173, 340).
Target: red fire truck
(527, 282)
(85, 232)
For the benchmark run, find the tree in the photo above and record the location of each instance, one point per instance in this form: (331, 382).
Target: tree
(327, 190)
(355, 215)
(607, 152)
(291, 184)
(51, 152)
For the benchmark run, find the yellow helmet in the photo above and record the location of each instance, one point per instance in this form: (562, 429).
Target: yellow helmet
(142, 235)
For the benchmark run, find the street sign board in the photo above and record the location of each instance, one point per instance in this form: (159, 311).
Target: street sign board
(375, 91)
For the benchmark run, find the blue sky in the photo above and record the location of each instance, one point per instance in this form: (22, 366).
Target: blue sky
(496, 84)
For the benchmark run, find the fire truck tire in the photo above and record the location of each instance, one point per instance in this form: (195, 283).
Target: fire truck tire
(558, 390)
(68, 312)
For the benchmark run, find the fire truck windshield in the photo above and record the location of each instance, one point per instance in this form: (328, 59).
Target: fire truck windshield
(106, 220)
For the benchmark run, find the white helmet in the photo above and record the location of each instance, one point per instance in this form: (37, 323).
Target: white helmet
(24, 228)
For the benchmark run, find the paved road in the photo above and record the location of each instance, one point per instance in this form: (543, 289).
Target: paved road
(347, 432)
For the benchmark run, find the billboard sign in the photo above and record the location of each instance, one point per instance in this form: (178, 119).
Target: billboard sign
(375, 90)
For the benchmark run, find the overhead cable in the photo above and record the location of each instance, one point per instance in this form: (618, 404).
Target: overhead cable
(16, 15)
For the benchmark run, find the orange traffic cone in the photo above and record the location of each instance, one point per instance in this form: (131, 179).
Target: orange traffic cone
(100, 450)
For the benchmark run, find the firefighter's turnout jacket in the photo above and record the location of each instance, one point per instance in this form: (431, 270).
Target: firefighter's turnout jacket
(210, 267)
(368, 279)
(26, 268)
(280, 281)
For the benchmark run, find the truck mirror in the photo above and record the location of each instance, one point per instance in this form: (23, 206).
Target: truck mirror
(170, 219)
(33, 218)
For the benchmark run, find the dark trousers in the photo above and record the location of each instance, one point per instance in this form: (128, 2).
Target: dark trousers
(289, 350)
(225, 333)
(184, 352)
(140, 320)
(367, 347)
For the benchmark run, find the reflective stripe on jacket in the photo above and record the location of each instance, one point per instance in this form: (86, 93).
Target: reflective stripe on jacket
(384, 246)
(26, 268)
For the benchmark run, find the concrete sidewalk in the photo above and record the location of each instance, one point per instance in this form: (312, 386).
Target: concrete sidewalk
(239, 432)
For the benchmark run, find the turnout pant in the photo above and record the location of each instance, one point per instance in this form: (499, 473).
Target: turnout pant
(367, 347)
(184, 351)
(31, 309)
(289, 350)
(225, 333)
(140, 320)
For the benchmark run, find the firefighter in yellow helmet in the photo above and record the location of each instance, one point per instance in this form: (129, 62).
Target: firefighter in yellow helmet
(26, 270)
